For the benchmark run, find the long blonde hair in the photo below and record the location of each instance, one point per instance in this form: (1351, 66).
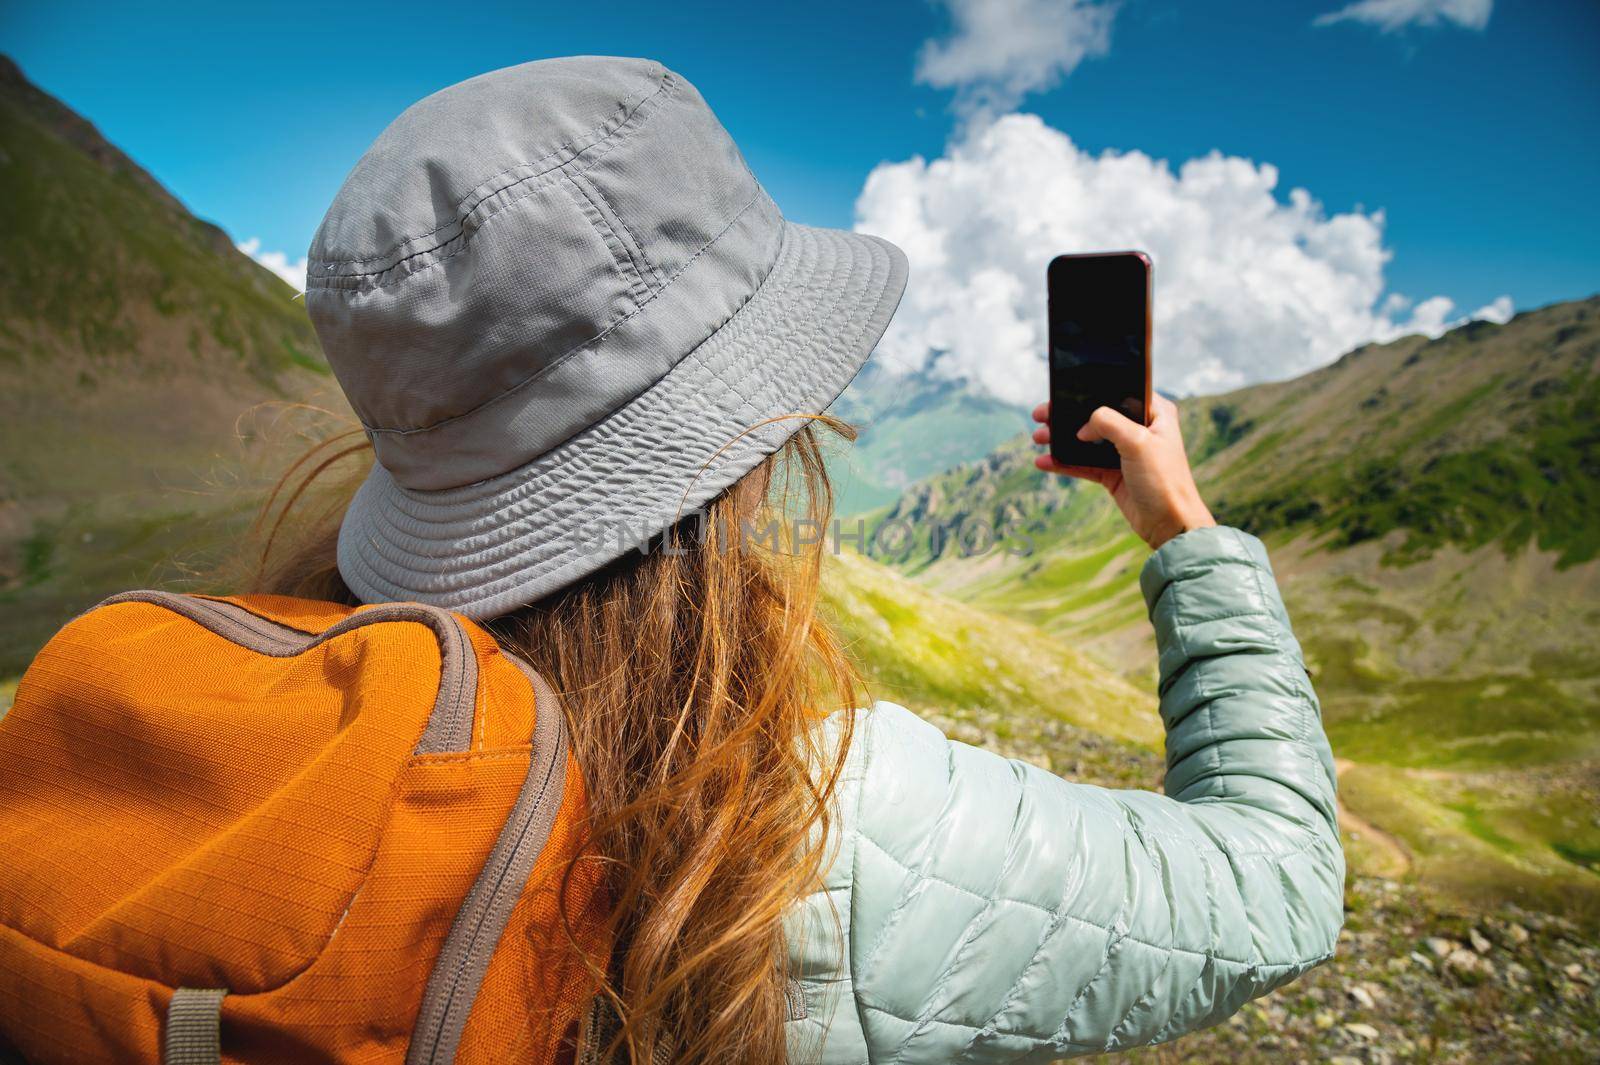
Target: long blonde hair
(693, 677)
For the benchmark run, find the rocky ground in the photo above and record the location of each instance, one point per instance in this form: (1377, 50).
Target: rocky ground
(1414, 982)
(1415, 979)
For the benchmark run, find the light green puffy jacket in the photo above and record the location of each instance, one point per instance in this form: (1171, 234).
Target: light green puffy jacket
(982, 910)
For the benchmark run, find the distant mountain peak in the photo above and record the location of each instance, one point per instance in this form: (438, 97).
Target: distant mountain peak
(76, 130)
(99, 260)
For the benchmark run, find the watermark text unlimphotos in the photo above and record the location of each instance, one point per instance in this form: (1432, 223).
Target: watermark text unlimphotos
(888, 540)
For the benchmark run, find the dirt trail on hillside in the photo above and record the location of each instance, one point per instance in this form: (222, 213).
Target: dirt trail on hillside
(1390, 860)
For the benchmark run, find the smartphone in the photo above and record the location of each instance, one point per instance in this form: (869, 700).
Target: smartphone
(1099, 348)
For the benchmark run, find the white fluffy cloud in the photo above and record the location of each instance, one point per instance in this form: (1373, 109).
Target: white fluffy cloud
(1435, 315)
(1497, 310)
(1248, 286)
(1394, 15)
(1000, 50)
(276, 261)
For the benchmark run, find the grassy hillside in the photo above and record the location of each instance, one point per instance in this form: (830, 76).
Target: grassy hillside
(948, 659)
(146, 372)
(1433, 508)
(1489, 434)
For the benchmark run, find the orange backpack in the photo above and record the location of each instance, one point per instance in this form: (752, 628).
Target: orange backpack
(263, 829)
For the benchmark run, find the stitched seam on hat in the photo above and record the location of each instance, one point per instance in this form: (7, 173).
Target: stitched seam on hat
(621, 254)
(428, 258)
(421, 261)
(618, 124)
(753, 405)
(555, 564)
(597, 338)
(619, 131)
(562, 558)
(620, 118)
(593, 189)
(747, 403)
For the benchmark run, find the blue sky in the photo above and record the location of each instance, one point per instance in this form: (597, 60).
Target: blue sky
(1477, 144)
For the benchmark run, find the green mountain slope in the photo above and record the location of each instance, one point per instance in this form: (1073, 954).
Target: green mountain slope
(145, 365)
(911, 426)
(1489, 434)
(1433, 508)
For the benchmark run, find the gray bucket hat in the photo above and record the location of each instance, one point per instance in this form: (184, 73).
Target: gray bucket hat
(567, 313)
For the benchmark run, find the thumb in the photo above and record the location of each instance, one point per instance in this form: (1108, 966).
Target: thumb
(1107, 424)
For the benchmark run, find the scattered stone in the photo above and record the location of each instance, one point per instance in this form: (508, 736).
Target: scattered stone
(1361, 997)
(1468, 965)
(1323, 1020)
(1575, 971)
(1362, 1031)
(1478, 941)
(1441, 947)
(1519, 935)
(1344, 1059)
(1422, 960)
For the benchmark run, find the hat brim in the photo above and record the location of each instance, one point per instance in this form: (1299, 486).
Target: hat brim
(488, 548)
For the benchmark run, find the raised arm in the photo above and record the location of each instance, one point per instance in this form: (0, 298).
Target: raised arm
(987, 911)
(992, 912)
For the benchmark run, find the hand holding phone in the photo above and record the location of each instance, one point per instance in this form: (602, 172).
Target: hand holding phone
(1153, 486)
(1099, 348)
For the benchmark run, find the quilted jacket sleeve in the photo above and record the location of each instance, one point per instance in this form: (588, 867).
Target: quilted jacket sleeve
(987, 911)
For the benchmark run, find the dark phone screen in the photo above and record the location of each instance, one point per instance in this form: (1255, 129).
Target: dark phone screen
(1099, 329)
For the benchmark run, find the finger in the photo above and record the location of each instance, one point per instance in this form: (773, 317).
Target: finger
(1165, 423)
(1041, 413)
(1119, 429)
(1041, 434)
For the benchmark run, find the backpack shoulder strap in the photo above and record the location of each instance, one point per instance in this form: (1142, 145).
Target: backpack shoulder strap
(464, 959)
